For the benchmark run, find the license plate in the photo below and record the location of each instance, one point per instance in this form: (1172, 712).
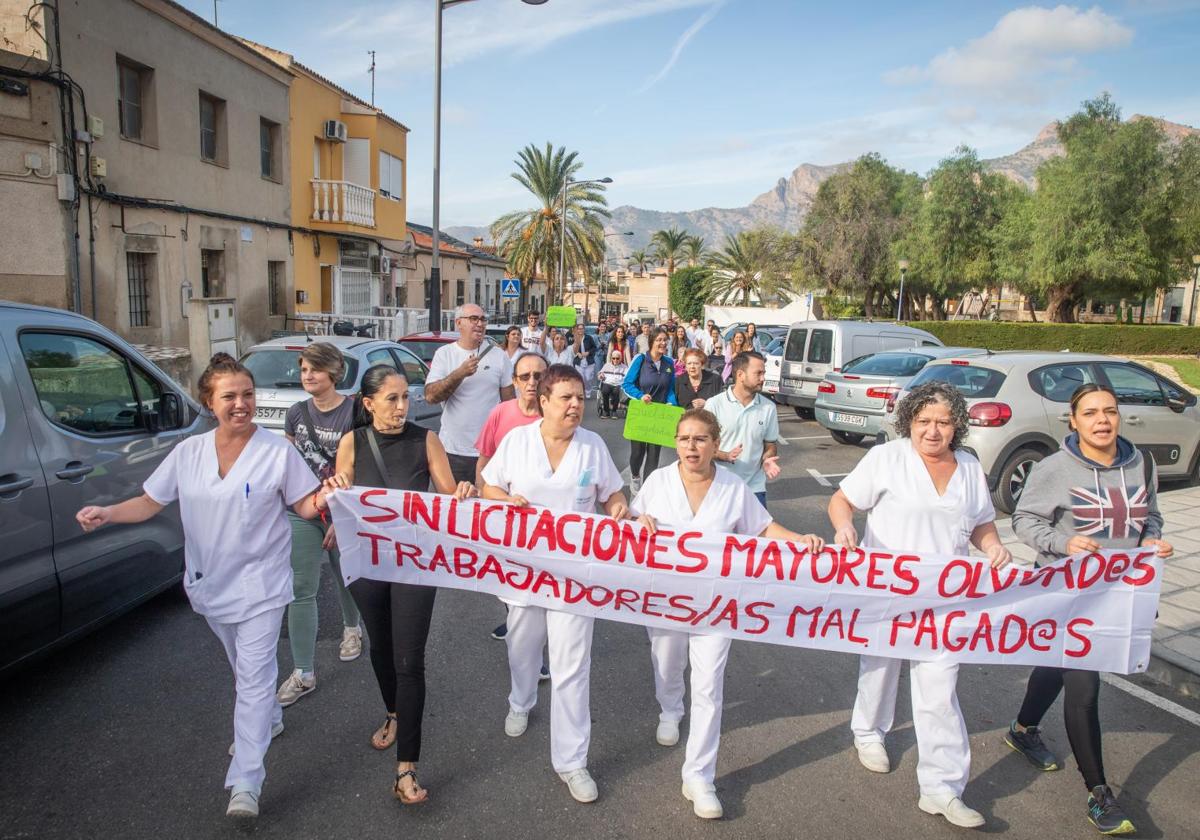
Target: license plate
(273, 414)
(848, 419)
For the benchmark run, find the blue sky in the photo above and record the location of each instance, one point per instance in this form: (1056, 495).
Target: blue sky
(696, 103)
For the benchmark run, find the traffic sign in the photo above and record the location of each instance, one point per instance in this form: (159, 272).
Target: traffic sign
(510, 287)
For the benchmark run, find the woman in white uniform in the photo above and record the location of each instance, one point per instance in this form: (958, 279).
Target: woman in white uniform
(554, 463)
(234, 486)
(693, 494)
(559, 353)
(921, 493)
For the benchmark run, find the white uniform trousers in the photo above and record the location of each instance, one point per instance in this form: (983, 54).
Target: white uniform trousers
(570, 643)
(670, 652)
(252, 647)
(943, 749)
(587, 372)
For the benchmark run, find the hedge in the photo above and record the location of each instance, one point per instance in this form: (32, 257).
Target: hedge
(1115, 339)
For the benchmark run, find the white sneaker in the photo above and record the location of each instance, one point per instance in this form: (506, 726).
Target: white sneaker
(276, 731)
(581, 785)
(873, 756)
(667, 733)
(351, 646)
(703, 797)
(952, 808)
(243, 804)
(295, 687)
(515, 723)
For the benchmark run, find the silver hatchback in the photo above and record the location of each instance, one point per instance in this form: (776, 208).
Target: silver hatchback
(851, 404)
(1019, 405)
(276, 368)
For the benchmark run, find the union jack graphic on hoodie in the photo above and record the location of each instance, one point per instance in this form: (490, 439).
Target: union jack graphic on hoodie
(1109, 512)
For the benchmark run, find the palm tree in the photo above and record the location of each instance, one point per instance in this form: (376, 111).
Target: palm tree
(693, 249)
(530, 240)
(739, 270)
(641, 259)
(668, 245)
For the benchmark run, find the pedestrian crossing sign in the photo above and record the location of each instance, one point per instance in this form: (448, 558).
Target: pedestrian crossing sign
(510, 288)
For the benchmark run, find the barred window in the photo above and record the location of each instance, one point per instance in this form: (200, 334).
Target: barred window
(139, 269)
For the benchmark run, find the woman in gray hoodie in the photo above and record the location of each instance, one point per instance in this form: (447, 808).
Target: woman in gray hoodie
(1097, 492)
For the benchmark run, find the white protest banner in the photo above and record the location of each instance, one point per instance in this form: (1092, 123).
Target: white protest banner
(1091, 611)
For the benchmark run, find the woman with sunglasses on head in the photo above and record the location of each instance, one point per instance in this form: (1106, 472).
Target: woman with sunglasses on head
(387, 451)
(693, 494)
(1070, 505)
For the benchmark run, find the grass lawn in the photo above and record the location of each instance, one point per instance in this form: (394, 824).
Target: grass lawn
(1187, 369)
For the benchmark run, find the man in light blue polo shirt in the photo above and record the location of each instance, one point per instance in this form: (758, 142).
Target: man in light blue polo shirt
(749, 425)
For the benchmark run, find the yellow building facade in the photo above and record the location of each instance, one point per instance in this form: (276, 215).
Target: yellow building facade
(348, 186)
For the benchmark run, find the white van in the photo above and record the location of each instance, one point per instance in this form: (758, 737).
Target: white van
(815, 348)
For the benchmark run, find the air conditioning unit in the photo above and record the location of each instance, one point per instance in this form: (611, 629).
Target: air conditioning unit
(335, 130)
(381, 264)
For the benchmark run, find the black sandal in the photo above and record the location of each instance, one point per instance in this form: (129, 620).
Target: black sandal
(423, 796)
(389, 728)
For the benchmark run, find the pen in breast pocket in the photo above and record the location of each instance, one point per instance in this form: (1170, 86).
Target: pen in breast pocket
(247, 489)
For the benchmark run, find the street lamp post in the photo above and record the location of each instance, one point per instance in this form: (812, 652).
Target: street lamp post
(435, 272)
(1195, 287)
(900, 304)
(562, 242)
(604, 275)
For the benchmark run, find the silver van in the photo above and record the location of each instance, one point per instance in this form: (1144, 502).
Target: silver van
(815, 348)
(84, 419)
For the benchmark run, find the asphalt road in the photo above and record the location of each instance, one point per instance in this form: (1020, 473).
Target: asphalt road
(124, 733)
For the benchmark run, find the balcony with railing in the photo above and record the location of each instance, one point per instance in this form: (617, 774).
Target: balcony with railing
(342, 201)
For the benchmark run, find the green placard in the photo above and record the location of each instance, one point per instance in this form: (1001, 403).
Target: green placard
(652, 422)
(561, 316)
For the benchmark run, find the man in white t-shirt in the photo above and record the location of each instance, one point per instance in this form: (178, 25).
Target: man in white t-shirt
(470, 379)
(533, 339)
(749, 426)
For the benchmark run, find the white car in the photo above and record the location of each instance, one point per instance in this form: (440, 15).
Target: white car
(774, 356)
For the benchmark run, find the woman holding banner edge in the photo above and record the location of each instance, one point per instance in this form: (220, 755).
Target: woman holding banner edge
(384, 450)
(555, 463)
(694, 494)
(1067, 507)
(922, 493)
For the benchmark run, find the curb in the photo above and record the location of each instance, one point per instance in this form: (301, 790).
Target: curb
(1181, 673)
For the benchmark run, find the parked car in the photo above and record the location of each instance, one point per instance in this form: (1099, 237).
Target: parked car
(851, 404)
(276, 368)
(84, 419)
(1019, 406)
(425, 344)
(773, 353)
(815, 348)
(766, 332)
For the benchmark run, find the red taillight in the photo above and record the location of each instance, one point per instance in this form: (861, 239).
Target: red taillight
(989, 414)
(826, 388)
(888, 393)
(891, 403)
(959, 362)
(850, 376)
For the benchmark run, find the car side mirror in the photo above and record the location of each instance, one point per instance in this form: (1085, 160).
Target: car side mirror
(1179, 404)
(170, 411)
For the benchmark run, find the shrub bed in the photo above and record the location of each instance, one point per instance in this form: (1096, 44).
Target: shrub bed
(1116, 339)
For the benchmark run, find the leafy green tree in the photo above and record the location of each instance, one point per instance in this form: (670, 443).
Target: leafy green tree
(848, 234)
(694, 250)
(747, 267)
(530, 240)
(1101, 217)
(688, 288)
(641, 259)
(1185, 181)
(669, 246)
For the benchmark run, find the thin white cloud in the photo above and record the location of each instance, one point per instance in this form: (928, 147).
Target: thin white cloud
(681, 44)
(1027, 50)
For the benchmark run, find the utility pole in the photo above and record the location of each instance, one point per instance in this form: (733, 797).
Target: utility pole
(372, 71)
(217, 25)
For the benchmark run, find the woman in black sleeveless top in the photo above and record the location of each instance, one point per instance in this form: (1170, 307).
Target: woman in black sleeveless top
(386, 451)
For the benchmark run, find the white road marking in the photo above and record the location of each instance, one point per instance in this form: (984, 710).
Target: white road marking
(823, 478)
(1153, 699)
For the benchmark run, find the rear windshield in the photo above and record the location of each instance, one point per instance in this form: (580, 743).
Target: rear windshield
(972, 382)
(820, 349)
(794, 351)
(281, 369)
(887, 364)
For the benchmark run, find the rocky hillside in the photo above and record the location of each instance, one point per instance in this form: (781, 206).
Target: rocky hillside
(787, 203)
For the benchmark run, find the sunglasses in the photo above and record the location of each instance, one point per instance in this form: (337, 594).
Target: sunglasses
(535, 375)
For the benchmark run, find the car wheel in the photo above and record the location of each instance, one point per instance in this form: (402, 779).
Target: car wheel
(804, 413)
(849, 438)
(1013, 477)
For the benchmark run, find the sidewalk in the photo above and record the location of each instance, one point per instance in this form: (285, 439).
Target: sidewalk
(1175, 653)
